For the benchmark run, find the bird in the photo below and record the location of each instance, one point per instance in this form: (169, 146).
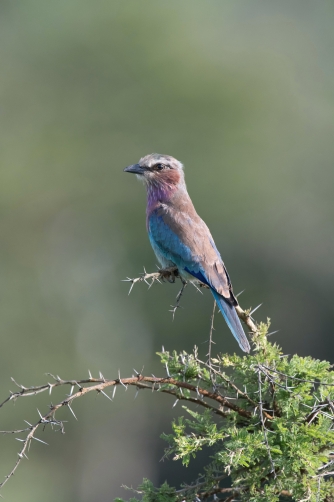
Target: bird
(180, 238)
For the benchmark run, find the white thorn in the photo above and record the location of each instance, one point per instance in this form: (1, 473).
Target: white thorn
(33, 437)
(273, 332)
(254, 310)
(106, 395)
(72, 411)
(196, 287)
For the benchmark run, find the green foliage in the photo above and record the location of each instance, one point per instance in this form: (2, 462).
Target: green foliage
(150, 494)
(266, 418)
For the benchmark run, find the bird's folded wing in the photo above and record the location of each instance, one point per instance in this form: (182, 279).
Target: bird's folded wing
(186, 241)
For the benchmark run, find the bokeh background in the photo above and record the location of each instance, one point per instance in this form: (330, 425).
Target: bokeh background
(241, 92)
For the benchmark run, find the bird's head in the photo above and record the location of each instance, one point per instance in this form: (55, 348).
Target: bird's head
(158, 170)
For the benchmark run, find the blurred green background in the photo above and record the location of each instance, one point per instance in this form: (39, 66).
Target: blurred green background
(242, 93)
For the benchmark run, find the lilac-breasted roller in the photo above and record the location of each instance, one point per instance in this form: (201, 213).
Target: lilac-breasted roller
(180, 238)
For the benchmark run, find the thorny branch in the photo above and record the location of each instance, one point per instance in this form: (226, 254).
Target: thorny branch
(178, 297)
(212, 395)
(167, 385)
(212, 400)
(264, 429)
(209, 362)
(231, 384)
(171, 274)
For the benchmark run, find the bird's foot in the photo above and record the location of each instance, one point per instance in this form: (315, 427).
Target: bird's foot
(169, 273)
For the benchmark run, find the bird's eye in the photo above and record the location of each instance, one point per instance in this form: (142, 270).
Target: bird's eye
(159, 167)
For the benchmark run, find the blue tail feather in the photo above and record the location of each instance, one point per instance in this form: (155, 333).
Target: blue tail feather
(232, 320)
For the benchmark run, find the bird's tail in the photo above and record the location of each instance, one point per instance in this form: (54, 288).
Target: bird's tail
(232, 320)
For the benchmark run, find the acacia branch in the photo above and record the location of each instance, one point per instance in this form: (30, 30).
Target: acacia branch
(168, 385)
(170, 274)
(182, 397)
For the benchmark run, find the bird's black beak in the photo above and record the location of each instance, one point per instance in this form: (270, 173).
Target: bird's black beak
(135, 168)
